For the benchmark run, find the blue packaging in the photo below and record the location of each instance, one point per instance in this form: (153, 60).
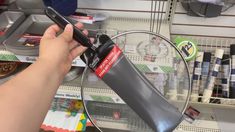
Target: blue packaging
(64, 7)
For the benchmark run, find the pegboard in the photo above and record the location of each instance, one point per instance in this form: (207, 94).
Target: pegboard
(208, 33)
(120, 8)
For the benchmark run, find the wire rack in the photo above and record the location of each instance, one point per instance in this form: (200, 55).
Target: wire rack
(207, 43)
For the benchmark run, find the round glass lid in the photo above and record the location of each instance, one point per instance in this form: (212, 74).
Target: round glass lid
(155, 106)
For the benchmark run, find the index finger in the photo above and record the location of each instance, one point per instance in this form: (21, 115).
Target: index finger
(50, 33)
(79, 25)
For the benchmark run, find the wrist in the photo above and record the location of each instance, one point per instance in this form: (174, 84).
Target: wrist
(51, 68)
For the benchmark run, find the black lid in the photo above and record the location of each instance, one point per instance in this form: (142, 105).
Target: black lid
(207, 57)
(232, 49)
(225, 59)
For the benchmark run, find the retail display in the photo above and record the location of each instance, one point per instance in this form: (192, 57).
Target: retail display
(65, 115)
(213, 74)
(25, 40)
(205, 71)
(118, 112)
(7, 68)
(30, 40)
(202, 9)
(152, 49)
(225, 66)
(72, 107)
(109, 64)
(10, 20)
(196, 76)
(191, 114)
(232, 79)
(181, 89)
(173, 85)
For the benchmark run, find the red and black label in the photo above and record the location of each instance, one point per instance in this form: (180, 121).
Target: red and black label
(108, 62)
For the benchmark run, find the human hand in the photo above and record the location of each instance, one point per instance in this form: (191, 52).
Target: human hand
(62, 50)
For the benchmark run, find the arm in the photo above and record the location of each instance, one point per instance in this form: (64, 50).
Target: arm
(25, 100)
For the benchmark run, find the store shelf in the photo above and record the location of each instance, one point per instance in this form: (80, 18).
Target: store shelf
(113, 125)
(8, 56)
(164, 65)
(227, 103)
(107, 95)
(98, 90)
(91, 94)
(183, 127)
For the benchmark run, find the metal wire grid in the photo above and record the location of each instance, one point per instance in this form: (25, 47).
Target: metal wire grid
(195, 129)
(162, 11)
(157, 8)
(210, 44)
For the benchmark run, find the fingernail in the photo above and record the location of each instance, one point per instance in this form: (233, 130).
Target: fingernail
(69, 27)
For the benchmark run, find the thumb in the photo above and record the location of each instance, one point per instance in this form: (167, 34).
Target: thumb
(67, 35)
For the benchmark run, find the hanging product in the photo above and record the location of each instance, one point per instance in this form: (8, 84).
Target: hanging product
(152, 49)
(203, 9)
(205, 71)
(10, 20)
(206, 8)
(232, 79)
(179, 70)
(225, 75)
(213, 74)
(189, 50)
(25, 40)
(173, 85)
(196, 76)
(140, 95)
(119, 73)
